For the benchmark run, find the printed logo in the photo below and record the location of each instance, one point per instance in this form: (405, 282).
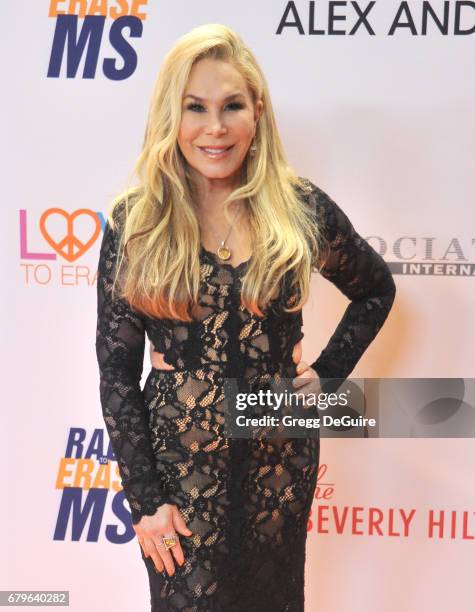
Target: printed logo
(349, 18)
(69, 235)
(80, 32)
(328, 517)
(89, 481)
(69, 247)
(427, 256)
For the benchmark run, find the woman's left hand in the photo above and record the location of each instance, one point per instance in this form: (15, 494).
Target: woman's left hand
(307, 380)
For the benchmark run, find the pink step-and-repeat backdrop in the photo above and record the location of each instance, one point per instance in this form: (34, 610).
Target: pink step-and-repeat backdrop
(375, 104)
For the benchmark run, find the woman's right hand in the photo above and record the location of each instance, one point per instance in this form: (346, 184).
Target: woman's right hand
(166, 521)
(158, 361)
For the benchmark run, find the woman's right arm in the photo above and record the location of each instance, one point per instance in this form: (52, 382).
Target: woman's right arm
(120, 343)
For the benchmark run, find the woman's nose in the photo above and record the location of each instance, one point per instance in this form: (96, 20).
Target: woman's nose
(216, 126)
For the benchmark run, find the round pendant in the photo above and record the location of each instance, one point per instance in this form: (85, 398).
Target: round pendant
(224, 253)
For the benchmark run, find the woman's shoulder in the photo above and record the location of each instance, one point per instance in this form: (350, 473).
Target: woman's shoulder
(331, 218)
(120, 209)
(314, 193)
(323, 206)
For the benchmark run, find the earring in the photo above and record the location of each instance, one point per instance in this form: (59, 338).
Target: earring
(253, 148)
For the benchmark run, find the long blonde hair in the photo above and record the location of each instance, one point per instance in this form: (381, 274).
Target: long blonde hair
(158, 266)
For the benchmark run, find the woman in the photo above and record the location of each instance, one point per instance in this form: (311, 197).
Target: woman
(211, 256)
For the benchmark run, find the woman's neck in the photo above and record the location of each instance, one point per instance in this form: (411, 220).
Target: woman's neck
(210, 193)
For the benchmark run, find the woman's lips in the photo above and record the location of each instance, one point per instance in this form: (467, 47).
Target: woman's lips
(214, 152)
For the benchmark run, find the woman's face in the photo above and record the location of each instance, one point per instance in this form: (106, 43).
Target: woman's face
(216, 130)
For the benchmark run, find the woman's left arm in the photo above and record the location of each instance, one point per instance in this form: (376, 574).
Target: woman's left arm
(363, 276)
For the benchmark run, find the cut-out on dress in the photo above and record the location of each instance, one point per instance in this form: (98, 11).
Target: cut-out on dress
(247, 501)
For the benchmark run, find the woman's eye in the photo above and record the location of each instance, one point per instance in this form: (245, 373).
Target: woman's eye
(194, 106)
(236, 105)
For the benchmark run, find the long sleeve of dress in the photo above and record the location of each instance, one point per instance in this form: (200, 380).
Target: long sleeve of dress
(363, 276)
(120, 344)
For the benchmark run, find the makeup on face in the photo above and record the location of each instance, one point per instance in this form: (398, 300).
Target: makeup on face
(217, 122)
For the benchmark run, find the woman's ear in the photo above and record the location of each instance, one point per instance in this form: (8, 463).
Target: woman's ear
(258, 111)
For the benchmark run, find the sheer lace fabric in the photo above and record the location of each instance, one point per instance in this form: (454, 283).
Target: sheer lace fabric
(247, 501)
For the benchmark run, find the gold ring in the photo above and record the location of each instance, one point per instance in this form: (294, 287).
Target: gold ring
(169, 542)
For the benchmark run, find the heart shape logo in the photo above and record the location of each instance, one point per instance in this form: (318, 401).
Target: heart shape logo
(69, 247)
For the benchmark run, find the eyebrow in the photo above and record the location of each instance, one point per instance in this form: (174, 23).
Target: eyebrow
(234, 95)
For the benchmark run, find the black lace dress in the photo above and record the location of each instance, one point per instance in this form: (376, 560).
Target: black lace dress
(247, 501)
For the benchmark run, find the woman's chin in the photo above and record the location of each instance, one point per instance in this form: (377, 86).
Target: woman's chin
(216, 171)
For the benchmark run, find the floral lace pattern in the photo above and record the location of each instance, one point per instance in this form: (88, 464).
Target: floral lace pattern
(247, 501)
(363, 276)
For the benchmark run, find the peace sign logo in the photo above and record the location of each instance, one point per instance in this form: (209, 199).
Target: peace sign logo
(69, 247)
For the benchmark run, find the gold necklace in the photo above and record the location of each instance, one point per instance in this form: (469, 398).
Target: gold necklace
(224, 252)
